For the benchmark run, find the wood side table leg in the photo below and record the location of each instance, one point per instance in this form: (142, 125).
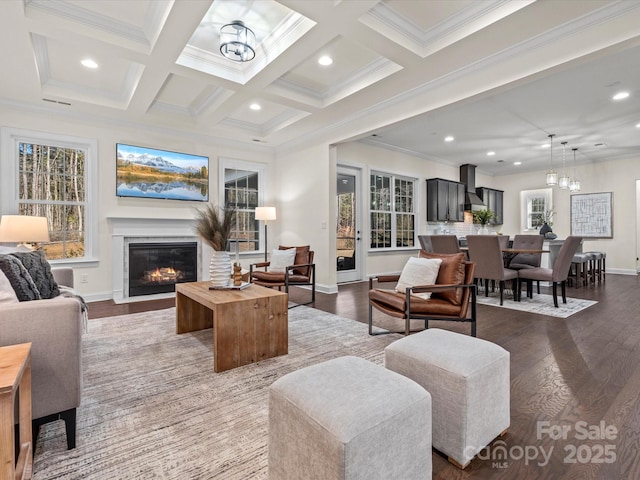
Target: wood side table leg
(25, 458)
(7, 446)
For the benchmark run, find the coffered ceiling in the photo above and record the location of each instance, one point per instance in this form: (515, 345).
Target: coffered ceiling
(496, 75)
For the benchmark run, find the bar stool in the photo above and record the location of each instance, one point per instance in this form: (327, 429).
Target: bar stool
(580, 268)
(597, 266)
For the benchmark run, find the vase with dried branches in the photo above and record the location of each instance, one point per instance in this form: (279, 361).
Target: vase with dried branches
(214, 225)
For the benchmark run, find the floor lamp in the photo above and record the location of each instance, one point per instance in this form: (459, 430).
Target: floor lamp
(265, 214)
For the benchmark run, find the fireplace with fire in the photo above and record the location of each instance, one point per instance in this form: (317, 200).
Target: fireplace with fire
(157, 267)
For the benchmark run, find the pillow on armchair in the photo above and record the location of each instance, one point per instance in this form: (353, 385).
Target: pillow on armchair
(418, 271)
(302, 258)
(281, 259)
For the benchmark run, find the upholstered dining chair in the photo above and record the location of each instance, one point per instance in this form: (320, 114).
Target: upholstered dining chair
(485, 251)
(527, 260)
(453, 296)
(560, 271)
(504, 241)
(439, 243)
(301, 273)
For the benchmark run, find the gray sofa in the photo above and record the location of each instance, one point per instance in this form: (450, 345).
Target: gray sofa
(54, 327)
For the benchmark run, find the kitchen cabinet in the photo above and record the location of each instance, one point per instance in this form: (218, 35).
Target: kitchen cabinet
(492, 198)
(445, 200)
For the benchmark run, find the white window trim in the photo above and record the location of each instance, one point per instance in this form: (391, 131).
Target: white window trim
(9, 140)
(525, 197)
(416, 210)
(261, 169)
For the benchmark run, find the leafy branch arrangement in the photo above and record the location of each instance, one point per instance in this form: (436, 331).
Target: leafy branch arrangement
(482, 216)
(546, 218)
(214, 224)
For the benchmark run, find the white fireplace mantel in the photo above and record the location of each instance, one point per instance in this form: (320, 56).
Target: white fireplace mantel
(145, 226)
(126, 230)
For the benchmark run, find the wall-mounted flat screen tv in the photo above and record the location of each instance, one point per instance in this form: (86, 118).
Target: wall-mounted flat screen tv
(150, 173)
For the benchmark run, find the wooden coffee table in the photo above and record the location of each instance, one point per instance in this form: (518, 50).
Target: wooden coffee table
(248, 325)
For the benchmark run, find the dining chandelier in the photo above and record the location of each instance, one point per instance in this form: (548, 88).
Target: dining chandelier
(237, 42)
(563, 181)
(574, 184)
(552, 175)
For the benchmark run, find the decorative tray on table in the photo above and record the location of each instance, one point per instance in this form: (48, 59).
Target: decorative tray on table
(242, 286)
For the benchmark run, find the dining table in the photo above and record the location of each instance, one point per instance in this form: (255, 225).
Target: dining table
(510, 253)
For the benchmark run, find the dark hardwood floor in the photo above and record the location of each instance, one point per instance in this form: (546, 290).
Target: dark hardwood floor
(580, 374)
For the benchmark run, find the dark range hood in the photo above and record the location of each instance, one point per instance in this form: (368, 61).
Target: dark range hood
(468, 177)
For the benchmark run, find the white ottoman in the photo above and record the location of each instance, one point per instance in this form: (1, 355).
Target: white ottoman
(348, 418)
(468, 379)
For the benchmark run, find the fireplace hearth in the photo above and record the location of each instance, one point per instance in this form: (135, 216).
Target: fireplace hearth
(157, 267)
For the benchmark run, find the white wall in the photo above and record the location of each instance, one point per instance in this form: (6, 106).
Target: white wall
(99, 284)
(304, 186)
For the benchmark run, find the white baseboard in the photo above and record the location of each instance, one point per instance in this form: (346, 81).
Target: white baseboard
(621, 271)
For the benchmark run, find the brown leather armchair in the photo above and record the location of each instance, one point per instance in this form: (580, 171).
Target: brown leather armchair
(453, 295)
(301, 273)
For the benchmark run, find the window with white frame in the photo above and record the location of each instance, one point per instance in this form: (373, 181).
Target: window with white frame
(243, 190)
(392, 212)
(534, 205)
(53, 176)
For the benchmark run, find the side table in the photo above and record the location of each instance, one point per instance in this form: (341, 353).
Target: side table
(15, 377)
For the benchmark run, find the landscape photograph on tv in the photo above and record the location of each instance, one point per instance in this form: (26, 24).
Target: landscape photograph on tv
(150, 173)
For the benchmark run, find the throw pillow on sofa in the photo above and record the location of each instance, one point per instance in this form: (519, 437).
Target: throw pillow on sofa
(7, 293)
(38, 267)
(20, 280)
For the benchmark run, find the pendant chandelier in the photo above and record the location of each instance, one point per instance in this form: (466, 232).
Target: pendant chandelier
(563, 181)
(574, 184)
(237, 42)
(552, 175)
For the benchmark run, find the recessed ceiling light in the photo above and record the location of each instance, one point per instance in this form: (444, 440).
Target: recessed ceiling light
(517, 163)
(491, 154)
(325, 60)
(448, 139)
(87, 62)
(545, 145)
(637, 125)
(255, 106)
(621, 95)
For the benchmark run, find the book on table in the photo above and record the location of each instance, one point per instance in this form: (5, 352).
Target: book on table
(242, 286)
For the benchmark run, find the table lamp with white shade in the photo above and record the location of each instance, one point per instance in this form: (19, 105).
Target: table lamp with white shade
(265, 214)
(24, 230)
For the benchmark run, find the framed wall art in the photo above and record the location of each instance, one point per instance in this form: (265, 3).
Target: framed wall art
(592, 215)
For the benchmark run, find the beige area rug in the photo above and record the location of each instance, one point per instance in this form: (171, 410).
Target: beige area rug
(152, 407)
(541, 304)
